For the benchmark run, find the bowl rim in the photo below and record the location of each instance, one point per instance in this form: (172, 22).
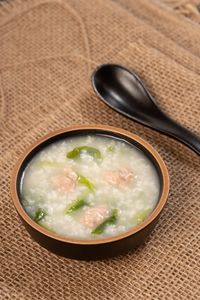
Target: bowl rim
(111, 129)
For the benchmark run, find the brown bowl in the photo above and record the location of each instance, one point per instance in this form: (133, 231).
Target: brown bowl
(98, 248)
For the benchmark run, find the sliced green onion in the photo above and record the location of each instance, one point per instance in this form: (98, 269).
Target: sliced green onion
(111, 149)
(39, 215)
(140, 216)
(112, 219)
(76, 205)
(75, 153)
(86, 182)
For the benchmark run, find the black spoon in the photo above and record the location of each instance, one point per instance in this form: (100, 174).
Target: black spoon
(124, 91)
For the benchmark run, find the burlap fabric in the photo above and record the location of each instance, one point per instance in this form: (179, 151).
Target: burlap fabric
(48, 50)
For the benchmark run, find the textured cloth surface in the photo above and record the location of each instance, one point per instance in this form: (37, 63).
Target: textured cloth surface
(48, 50)
(188, 8)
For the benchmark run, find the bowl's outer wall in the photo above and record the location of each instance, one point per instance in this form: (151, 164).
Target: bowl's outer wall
(93, 251)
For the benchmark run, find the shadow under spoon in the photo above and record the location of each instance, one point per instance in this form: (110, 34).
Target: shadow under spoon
(125, 92)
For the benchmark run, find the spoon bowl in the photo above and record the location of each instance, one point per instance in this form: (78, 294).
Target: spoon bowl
(125, 92)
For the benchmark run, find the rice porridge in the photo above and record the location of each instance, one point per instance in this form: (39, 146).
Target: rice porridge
(89, 187)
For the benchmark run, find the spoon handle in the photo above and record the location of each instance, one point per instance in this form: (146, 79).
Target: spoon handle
(175, 130)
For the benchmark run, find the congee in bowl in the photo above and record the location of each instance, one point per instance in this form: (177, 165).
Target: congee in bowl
(90, 185)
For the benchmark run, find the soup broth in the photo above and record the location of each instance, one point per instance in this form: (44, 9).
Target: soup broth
(89, 187)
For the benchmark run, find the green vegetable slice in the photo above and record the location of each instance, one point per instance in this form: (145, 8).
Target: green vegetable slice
(140, 216)
(76, 205)
(39, 215)
(85, 181)
(75, 153)
(112, 219)
(111, 149)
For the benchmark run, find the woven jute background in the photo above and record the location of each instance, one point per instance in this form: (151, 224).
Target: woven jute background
(48, 50)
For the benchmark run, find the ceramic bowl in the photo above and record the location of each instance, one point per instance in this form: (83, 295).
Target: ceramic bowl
(98, 248)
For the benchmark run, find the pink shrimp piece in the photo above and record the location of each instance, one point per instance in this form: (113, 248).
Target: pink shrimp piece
(121, 177)
(94, 216)
(65, 181)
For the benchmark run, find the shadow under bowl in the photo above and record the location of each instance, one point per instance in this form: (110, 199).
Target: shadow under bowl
(94, 248)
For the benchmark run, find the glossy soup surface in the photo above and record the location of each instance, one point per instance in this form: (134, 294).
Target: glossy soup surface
(89, 187)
